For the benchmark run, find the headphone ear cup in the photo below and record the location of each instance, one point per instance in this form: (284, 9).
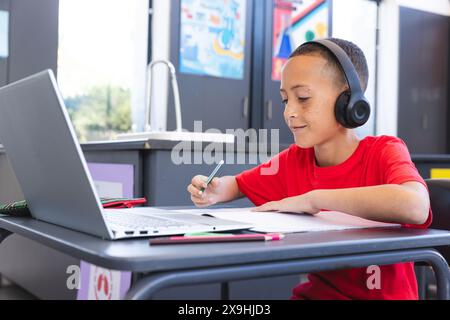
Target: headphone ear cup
(340, 108)
(359, 113)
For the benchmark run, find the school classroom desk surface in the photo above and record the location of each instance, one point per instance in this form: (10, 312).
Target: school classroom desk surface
(159, 267)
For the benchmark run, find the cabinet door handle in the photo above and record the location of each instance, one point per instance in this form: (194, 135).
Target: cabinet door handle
(245, 107)
(269, 109)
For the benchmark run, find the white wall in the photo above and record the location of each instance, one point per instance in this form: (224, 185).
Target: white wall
(140, 63)
(355, 21)
(435, 6)
(160, 51)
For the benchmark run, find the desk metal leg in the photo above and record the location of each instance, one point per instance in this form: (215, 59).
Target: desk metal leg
(225, 291)
(148, 286)
(421, 275)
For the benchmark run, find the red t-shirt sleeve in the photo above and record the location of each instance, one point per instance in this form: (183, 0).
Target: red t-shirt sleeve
(265, 182)
(398, 168)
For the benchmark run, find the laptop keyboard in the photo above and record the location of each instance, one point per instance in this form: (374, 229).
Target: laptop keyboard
(139, 222)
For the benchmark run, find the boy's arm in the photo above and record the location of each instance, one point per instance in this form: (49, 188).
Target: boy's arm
(228, 189)
(406, 203)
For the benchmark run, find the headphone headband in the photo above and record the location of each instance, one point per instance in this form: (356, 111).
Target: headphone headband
(346, 65)
(351, 108)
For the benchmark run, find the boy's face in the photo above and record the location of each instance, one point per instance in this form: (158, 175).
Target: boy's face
(309, 93)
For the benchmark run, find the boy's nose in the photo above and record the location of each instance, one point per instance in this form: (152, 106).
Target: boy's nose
(290, 112)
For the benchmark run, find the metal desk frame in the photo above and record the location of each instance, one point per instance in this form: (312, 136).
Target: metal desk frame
(157, 269)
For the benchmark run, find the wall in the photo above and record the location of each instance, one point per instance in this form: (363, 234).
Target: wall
(160, 51)
(355, 21)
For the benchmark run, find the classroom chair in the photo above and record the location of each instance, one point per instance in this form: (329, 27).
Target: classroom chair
(439, 190)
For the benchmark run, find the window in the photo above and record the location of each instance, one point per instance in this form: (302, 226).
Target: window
(102, 58)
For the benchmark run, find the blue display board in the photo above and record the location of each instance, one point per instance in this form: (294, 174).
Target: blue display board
(212, 37)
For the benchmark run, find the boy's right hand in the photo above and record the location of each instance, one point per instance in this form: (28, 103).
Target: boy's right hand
(209, 196)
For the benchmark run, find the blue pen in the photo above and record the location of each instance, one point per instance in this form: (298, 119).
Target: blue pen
(213, 174)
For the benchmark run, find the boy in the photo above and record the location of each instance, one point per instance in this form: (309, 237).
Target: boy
(329, 168)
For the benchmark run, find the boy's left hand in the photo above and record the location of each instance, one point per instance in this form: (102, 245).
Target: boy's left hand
(298, 204)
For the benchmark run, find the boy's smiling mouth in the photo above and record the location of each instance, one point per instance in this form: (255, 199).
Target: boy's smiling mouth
(297, 128)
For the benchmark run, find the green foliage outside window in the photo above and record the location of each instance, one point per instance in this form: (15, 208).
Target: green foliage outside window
(100, 113)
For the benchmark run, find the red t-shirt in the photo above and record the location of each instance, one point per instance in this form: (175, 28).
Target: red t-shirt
(376, 161)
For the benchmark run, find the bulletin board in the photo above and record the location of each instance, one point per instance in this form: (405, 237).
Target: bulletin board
(296, 22)
(212, 38)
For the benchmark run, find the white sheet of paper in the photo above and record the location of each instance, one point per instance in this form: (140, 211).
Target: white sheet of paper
(290, 222)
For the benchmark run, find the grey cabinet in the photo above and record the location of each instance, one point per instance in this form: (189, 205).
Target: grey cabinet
(423, 97)
(33, 38)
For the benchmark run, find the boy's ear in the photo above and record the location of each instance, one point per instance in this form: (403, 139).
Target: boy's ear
(344, 88)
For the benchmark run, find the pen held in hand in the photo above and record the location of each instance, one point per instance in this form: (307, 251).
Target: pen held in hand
(213, 174)
(218, 238)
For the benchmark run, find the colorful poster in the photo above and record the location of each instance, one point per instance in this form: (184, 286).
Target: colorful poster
(212, 37)
(295, 22)
(102, 284)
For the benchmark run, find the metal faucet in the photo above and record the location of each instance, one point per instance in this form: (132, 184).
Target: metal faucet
(176, 93)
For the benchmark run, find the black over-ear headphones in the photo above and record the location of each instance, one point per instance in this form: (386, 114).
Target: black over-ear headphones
(352, 109)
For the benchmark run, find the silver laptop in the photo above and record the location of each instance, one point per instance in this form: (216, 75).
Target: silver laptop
(46, 157)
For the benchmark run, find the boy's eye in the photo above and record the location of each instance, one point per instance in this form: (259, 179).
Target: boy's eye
(284, 101)
(302, 99)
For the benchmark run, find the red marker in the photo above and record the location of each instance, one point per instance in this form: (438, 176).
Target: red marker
(219, 238)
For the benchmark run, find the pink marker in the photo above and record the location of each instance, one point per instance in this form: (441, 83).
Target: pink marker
(219, 238)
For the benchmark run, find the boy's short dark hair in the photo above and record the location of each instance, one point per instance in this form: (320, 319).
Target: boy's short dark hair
(355, 54)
